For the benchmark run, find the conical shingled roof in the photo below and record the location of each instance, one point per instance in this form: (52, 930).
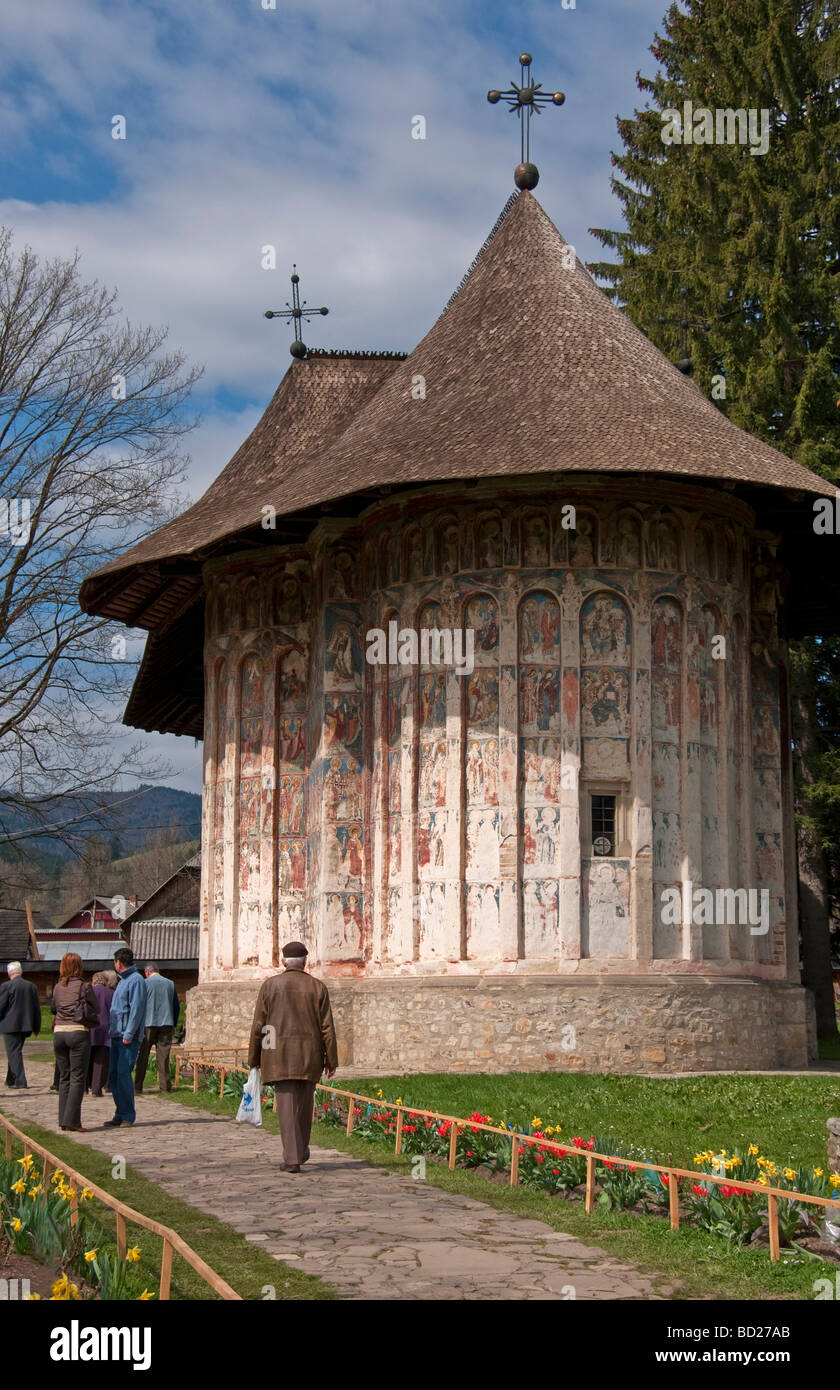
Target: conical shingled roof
(530, 369)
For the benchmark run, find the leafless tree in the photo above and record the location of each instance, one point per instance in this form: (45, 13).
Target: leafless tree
(92, 412)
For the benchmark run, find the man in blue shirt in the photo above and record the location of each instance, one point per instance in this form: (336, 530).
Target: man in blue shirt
(162, 1007)
(128, 1018)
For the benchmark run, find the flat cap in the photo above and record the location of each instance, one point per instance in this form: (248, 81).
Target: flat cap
(293, 950)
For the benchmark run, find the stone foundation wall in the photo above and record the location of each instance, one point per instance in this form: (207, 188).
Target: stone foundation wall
(540, 1023)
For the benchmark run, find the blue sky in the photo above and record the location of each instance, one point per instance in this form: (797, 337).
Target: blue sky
(292, 127)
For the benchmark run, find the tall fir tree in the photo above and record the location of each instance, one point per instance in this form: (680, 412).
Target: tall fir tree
(752, 240)
(731, 256)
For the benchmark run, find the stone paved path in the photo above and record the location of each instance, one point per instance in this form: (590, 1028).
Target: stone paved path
(368, 1232)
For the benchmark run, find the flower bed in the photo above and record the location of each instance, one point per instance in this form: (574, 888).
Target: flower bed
(558, 1167)
(38, 1221)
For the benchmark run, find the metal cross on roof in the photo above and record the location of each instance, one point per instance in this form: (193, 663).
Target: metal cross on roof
(526, 100)
(295, 311)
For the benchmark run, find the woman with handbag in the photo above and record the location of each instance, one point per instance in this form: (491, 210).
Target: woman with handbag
(76, 1012)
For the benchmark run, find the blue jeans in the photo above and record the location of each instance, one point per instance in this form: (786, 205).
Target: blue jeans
(120, 1084)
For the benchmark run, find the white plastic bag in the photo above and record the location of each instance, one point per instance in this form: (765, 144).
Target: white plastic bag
(249, 1106)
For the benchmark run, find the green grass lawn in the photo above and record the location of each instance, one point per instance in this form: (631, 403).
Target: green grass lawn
(673, 1118)
(703, 1266)
(244, 1266)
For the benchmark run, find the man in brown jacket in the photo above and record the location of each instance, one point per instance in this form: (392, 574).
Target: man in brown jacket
(293, 1042)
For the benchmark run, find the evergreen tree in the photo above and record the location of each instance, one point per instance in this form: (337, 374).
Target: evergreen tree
(751, 239)
(733, 257)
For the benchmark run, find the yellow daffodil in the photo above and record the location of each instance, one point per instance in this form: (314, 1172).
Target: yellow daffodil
(86, 1194)
(90, 1255)
(133, 1254)
(17, 1224)
(144, 1296)
(58, 1176)
(33, 1191)
(549, 1130)
(818, 1172)
(698, 1159)
(536, 1122)
(772, 1170)
(790, 1174)
(398, 1100)
(379, 1095)
(60, 1285)
(834, 1178)
(735, 1161)
(19, 1186)
(26, 1162)
(752, 1150)
(31, 1297)
(763, 1180)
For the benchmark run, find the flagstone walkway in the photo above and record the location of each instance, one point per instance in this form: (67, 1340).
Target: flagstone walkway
(368, 1232)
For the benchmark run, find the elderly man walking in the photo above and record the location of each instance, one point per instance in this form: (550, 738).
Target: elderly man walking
(162, 1009)
(293, 1042)
(20, 1015)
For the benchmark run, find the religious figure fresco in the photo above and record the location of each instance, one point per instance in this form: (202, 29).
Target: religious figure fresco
(252, 605)
(249, 867)
(708, 709)
(605, 702)
(349, 838)
(482, 700)
(290, 806)
(482, 842)
(547, 839)
(343, 660)
(249, 806)
(489, 544)
(449, 547)
(540, 918)
(394, 847)
(289, 605)
(663, 550)
(769, 857)
(535, 540)
(297, 852)
(482, 919)
(250, 746)
(291, 681)
(606, 906)
(342, 573)
(766, 731)
(628, 542)
(605, 631)
(583, 541)
(665, 706)
(284, 867)
(482, 616)
(539, 629)
(667, 845)
(666, 776)
(414, 554)
(665, 634)
(291, 739)
(342, 721)
(433, 701)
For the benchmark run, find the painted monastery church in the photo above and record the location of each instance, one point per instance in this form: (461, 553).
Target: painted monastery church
(493, 865)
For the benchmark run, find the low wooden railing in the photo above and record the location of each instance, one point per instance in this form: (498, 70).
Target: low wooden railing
(518, 1139)
(172, 1242)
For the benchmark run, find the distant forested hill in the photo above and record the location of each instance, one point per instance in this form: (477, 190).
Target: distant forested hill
(124, 820)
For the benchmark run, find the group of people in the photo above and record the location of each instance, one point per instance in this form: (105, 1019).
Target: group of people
(103, 1033)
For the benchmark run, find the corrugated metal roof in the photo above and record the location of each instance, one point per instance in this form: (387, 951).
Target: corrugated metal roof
(88, 950)
(165, 938)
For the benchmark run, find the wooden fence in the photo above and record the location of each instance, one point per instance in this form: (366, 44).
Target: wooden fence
(517, 1140)
(172, 1242)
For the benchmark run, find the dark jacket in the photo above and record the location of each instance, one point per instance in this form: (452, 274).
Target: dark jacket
(66, 998)
(297, 1007)
(99, 1033)
(20, 1011)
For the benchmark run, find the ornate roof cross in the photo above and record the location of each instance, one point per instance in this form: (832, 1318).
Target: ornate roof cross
(526, 100)
(295, 311)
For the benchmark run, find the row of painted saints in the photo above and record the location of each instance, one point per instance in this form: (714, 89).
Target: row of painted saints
(446, 548)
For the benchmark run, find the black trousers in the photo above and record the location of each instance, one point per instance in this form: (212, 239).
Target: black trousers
(15, 1075)
(72, 1053)
(161, 1039)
